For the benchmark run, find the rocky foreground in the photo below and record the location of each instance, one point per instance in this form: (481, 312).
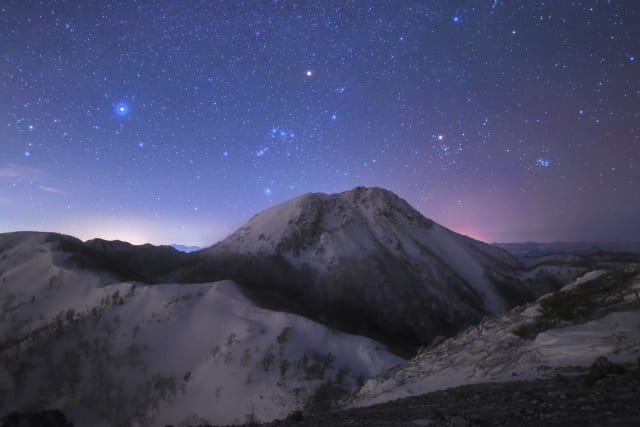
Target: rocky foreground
(606, 394)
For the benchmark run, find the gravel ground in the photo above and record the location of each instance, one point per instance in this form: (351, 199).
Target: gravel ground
(604, 395)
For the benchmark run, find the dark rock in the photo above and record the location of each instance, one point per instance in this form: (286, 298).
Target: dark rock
(601, 368)
(44, 418)
(295, 417)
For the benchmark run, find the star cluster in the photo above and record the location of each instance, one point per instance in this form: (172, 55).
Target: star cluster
(169, 121)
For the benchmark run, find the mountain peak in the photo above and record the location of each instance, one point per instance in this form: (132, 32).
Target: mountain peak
(362, 191)
(367, 197)
(312, 220)
(380, 257)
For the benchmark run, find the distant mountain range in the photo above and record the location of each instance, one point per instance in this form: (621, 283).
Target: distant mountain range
(531, 249)
(295, 310)
(183, 248)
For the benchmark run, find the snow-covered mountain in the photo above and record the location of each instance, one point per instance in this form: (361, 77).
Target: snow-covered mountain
(598, 315)
(118, 334)
(108, 352)
(365, 259)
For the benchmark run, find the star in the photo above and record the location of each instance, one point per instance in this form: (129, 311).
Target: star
(542, 162)
(122, 109)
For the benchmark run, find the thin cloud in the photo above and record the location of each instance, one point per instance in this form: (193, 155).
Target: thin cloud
(19, 172)
(9, 173)
(27, 175)
(53, 190)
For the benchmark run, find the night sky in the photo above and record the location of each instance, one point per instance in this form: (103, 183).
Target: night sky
(176, 121)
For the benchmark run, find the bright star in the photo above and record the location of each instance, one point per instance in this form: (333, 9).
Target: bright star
(122, 108)
(267, 191)
(309, 73)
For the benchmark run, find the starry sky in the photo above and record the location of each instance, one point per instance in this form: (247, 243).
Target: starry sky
(176, 121)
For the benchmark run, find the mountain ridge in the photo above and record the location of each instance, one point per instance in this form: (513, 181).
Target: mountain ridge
(363, 261)
(119, 353)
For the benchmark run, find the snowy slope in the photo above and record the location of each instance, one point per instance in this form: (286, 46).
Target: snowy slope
(598, 315)
(111, 353)
(371, 250)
